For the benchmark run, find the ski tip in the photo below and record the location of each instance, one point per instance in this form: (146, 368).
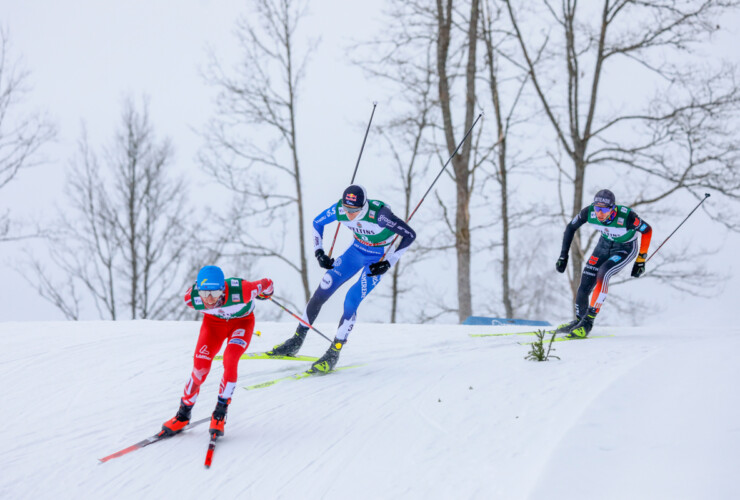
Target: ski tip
(211, 448)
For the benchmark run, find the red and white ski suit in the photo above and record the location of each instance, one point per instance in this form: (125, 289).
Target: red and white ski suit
(231, 320)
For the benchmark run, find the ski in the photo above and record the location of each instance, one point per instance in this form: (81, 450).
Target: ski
(211, 449)
(265, 355)
(509, 333)
(563, 339)
(298, 376)
(150, 440)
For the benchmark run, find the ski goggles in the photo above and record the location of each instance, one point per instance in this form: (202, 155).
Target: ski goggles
(603, 210)
(351, 210)
(214, 294)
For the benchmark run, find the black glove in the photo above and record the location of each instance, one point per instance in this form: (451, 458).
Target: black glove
(378, 268)
(324, 260)
(561, 264)
(638, 269)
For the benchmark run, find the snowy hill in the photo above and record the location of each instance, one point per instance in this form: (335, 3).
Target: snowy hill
(433, 413)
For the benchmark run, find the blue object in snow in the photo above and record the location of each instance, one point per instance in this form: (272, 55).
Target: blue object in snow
(482, 320)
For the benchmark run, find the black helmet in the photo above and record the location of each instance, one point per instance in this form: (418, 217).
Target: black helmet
(605, 198)
(354, 198)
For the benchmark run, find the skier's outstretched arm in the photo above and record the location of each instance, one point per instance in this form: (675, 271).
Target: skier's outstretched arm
(570, 230)
(320, 221)
(642, 227)
(646, 233)
(260, 289)
(388, 219)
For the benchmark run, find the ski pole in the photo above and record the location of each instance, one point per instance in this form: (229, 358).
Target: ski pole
(362, 148)
(298, 318)
(434, 181)
(706, 195)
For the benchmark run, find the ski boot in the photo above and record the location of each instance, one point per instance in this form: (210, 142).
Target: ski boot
(326, 363)
(178, 423)
(567, 327)
(291, 346)
(584, 326)
(218, 419)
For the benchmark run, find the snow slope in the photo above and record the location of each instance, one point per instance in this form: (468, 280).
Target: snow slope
(648, 413)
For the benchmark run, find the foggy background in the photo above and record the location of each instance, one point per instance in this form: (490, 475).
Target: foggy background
(86, 58)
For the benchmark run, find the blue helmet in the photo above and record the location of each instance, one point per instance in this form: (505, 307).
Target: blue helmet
(210, 278)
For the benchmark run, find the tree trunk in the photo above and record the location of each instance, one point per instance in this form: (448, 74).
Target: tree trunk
(394, 292)
(505, 230)
(299, 200)
(502, 167)
(302, 236)
(460, 163)
(462, 244)
(303, 266)
(577, 248)
(132, 236)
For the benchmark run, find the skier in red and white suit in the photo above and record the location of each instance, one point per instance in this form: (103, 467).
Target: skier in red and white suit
(228, 306)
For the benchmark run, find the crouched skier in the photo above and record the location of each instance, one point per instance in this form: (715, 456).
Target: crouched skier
(227, 305)
(616, 248)
(374, 227)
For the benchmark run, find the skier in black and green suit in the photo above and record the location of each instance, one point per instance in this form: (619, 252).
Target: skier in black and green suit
(616, 248)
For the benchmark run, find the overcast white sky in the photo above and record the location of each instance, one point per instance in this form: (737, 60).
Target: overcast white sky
(86, 55)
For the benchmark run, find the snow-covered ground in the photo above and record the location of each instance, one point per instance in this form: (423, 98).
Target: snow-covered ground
(649, 413)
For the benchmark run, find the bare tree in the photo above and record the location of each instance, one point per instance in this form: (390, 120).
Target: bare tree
(673, 142)
(404, 138)
(257, 104)
(506, 83)
(21, 134)
(452, 37)
(461, 163)
(126, 239)
(451, 31)
(406, 134)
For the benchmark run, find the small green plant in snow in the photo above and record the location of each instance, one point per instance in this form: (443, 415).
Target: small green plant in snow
(537, 351)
